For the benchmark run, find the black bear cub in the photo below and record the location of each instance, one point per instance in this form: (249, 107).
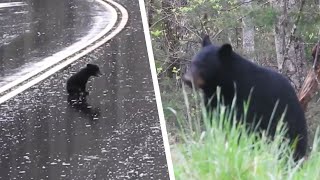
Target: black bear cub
(76, 84)
(215, 66)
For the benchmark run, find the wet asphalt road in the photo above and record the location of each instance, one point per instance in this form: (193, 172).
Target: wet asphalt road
(118, 137)
(34, 29)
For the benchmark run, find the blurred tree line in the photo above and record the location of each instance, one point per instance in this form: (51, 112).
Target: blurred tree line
(275, 33)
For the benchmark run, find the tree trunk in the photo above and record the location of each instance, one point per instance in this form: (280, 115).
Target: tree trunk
(150, 10)
(311, 83)
(280, 33)
(171, 37)
(289, 48)
(248, 32)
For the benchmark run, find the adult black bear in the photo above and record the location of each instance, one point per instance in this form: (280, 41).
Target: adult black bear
(76, 84)
(220, 66)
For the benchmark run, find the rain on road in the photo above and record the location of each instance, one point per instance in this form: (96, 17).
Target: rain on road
(35, 29)
(117, 136)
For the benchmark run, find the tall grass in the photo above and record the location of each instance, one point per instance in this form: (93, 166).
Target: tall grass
(213, 146)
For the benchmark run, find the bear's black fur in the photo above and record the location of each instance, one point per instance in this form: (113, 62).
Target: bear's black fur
(220, 66)
(76, 84)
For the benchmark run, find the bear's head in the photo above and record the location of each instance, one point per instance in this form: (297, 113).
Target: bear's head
(209, 65)
(93, 70)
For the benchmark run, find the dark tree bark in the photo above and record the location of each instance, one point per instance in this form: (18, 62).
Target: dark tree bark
(151, 12)
(311, 83)
(171, 36)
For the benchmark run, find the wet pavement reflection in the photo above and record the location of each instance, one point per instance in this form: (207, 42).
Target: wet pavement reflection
(32, 30)
(116, 135)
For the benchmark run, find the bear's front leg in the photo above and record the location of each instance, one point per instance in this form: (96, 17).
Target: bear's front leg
(84, 92)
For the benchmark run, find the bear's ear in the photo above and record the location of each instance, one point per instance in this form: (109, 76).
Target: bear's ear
(225, 50)
(89, 65)
(206, 41)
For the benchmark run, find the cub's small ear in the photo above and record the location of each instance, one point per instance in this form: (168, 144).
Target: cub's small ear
(206, 41)
(90, 65)
(225, 50)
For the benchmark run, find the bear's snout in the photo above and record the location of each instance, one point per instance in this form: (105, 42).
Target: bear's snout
(98, 73)
(193, 78)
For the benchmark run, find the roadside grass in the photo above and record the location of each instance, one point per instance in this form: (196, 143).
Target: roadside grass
(213, 146)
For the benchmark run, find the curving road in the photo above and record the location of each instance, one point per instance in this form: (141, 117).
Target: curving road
(117, 136)
(32, 30)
